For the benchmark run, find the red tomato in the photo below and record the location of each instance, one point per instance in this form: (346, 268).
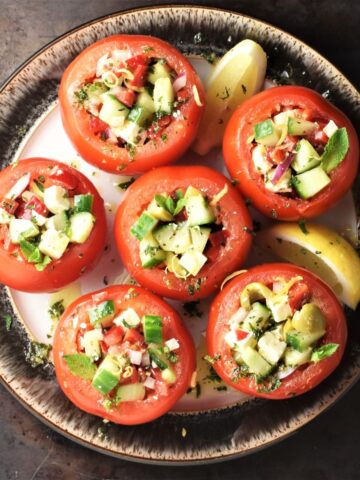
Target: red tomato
(97, 125)
(114, 335)
(238, 158)
(303, 379)
(18, 273)
(84, 396)
(133, 336)
(140, 74)
(113, 158)
(299, 294)
(124, 95)
(64, 177)
(9, 205)
(25, 209)
(232, 213)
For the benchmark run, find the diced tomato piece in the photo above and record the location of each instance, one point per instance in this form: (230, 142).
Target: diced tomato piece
(276, 155)
(219, 238)
(5, 237)
(64, 179)
(140, 74)
(240, 334)
(182, 216)
(212, 253)
(307, 114)
(125, 96)
(133, 336)
(37, 205)
(290, 142)
(114, 335)
(134, 378)
(9, 205)
(97, 125)
(299, 294)
(103, 346)
(157, 127)
(320, 137)
(133, 62)
(80, 335)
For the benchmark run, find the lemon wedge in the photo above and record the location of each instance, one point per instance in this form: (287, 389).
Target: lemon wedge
(237, 76)
(319, 249)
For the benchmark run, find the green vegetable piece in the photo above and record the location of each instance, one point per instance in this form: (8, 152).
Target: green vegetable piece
(100, 314)
(309, 319)
(8, 321)
(37, 353)
(180, 204)
(83, 203)
(335, 150)
(263, 129)
(40, 267)
(31, 252)
(56, 309)
(153, 329)
(80, 365)
(158, 356)
(167, 203)
(144, 224)
(107, 376)
(324, 351)
(139, 115)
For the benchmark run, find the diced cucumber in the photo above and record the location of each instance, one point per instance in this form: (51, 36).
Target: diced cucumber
(139, 115)
(37, 189)
(145, 100)
(163, 95)
(256, 363)
(158, 70)
(300, 127)
(143, 225)
(283, 185)
(56, 199)
(294, 358)
(173, 238)
(257, 318)
(107, 376)
(280, 308)
(262, 165)
(129, 132)
(198, 211)
(311, 182)
(128, 318)
(159, 212)
(192, 192)
(131, 392)
(199, 237)
(252, 292)
(113, 112)
(5, 217)
(20, 228)
(309, 319)
(168, 375)
(59, 222)
(38, 219)
(83, 203)
(91, 343)
(150, 252)
(95, 90)
(306, 157)
(152, 329)
(81, 225)
(193, 261)
(158, 357)
(282, 117)
(102, 314)
(239, 345)
(301, 341)
(271, 348)
(266, 133)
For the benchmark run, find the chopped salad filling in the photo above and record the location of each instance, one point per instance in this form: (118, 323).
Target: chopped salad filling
(126, 356)
(132, 99)
(180, 232)
(40, 219)
(276, 330)
(294, 152)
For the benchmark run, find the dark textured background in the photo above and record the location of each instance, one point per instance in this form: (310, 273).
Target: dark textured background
(328, 448)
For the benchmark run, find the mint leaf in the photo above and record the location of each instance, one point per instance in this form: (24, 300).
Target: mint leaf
(335, 150)
(8, 321)
(80, 365)
(181, 203)
(324, 351)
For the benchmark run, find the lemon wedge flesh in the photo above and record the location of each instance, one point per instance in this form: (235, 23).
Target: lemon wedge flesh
(237, 76)
(322, 251)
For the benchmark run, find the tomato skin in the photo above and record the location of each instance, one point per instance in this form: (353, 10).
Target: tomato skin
(112, 158)
(77, 258)
(234, 216)
(85, 397)
(237, 153)
(302, 380)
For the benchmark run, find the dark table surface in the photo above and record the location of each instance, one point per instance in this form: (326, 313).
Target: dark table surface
(328, 448)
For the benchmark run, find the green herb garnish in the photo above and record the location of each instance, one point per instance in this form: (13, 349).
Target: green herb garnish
(80, 365)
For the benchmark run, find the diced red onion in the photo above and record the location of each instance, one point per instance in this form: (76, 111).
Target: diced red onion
(149, 383)
(281, 169)
(286, 373)
(145, 359)
(115, 350)
(110, 136)
(135, 357)
(179, 82)
(17, 189)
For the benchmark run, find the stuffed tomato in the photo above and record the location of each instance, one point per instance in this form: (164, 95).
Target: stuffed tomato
(293, 154)
(123, 354)
(52, 225)
(130, 103)
(181, 230)
(276, 331)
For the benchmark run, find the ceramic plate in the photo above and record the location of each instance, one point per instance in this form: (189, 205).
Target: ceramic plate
(218, 424)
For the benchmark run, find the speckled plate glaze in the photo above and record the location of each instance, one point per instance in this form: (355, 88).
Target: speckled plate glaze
(187, 438)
